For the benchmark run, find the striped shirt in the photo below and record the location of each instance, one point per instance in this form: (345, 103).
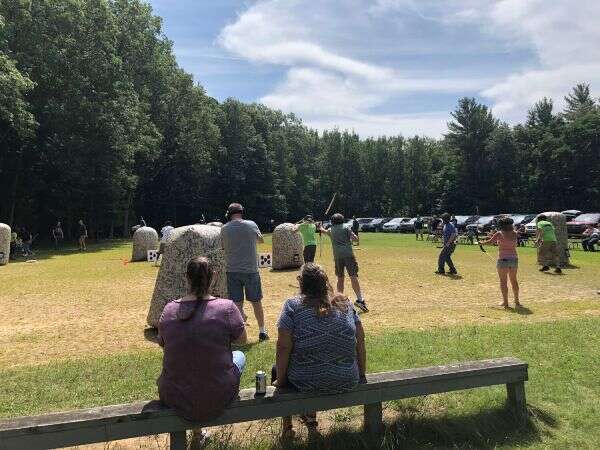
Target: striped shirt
(323, 357)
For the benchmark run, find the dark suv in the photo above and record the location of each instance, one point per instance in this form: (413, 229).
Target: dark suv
(375, 224)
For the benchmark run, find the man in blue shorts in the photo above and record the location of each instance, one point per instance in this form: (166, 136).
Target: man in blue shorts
(239, 238)
(449, 234)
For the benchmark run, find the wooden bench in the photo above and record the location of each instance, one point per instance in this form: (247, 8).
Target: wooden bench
(148, 418)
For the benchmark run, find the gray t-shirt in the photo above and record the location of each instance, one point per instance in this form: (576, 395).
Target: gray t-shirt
(341, 241)
(239, 239)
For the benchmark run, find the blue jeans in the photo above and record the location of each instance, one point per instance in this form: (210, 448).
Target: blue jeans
(239, 359)
(446, 258)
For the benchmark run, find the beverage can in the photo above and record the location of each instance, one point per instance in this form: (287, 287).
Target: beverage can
(261, 383)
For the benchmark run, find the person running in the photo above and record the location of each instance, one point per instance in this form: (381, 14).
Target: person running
(57, 234)
(308, 230)
(341, 242)
(419, 228)
(547, 245)
(83, 234)
(165, 233)
(449, 235)
(508, 260)
(239, 238)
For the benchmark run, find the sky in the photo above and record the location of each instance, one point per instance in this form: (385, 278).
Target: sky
(386, 67)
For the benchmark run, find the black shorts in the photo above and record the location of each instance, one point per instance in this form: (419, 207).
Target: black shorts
(309, 253)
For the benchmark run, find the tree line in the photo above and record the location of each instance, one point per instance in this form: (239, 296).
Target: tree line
(98, 121)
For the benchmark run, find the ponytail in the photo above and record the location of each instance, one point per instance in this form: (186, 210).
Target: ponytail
(200, 276)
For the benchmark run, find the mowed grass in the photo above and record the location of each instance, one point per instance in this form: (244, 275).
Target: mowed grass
(74, 335)
(76, 304)
(563, 391)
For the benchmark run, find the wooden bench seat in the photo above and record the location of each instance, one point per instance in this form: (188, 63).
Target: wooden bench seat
(148, 418)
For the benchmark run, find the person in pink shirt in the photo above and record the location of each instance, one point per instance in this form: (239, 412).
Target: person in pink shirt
(508, 260)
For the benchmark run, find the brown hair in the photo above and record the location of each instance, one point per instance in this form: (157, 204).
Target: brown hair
(316, 290)
(199, 275)
(506, 224)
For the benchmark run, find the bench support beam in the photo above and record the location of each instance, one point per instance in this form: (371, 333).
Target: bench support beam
(178, 440)
(516, 398)
(373, 417)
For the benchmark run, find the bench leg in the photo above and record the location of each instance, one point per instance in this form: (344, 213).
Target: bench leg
(373, 417)
(516, 398)
(178, 440)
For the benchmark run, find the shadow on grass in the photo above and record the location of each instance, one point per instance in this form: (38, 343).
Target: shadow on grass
(483, 430)
(44, 253)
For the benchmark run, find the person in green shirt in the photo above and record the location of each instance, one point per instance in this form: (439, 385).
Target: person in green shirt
(308, 230)
(547, 245)
(341, 243)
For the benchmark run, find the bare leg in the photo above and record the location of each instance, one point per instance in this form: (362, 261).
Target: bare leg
(356, 287)
(512, 275)
(240, 306)
(340, 284)
(259, 314)
(503, 274)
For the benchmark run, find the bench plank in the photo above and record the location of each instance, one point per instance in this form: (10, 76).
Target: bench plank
(146, 418)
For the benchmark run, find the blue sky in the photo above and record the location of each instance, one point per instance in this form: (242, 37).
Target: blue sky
(385, 66)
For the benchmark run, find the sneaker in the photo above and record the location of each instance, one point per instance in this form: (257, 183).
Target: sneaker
(360, 304)
(558, 270)
(452, 272)
(545, 269)
(263, 336)
(440, 272)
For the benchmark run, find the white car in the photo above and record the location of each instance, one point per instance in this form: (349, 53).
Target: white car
(393, 226)
(531, 227)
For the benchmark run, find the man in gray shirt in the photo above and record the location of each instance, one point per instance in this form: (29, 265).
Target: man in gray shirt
(341, 243)
(239, 238)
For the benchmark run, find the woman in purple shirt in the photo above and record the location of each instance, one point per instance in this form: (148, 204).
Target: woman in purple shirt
(200, 374)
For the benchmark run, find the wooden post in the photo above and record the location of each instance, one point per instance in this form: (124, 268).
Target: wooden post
(373, 417)
(516, 398)
(178, 440)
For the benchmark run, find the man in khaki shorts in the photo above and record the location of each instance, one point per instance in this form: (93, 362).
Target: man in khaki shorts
(341, 243)
(547, 245)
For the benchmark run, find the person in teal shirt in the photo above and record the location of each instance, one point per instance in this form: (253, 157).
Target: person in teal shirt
(308, 230)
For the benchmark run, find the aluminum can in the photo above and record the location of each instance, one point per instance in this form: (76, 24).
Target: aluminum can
(261, 383)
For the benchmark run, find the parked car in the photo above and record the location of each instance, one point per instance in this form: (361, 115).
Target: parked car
(531, 227)
(363, 221)
(408, 226)
(463, 221)
(576, 226)
(393, 225)
(522, 219)
(571, 214)
(376, 224)
(483, 224)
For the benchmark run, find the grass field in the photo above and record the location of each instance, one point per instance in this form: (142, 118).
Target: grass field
(74, 336)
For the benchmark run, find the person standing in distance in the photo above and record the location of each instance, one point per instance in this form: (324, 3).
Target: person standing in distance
(165, 232)
(239, 238)
(308, 230)
(547, 245)
(341, 243)
(356, 230)
(83, 234)
(419, 228)
(449, 234)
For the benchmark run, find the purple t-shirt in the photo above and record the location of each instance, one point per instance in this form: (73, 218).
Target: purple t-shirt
(199, 378)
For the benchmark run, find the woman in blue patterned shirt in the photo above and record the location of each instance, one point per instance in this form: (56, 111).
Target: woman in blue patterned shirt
(321, 342)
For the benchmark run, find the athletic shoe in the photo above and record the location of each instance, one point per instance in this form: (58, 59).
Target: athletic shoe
(558, 270)
(438, 272)
(360, 304)
(545, 269)
(452, 272)
(263, 336)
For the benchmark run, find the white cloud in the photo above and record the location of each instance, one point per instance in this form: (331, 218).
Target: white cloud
(333, 78)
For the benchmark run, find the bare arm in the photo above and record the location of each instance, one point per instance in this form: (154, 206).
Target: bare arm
(361, 350)
(242, 339)
(282, 358)
(353, 237)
